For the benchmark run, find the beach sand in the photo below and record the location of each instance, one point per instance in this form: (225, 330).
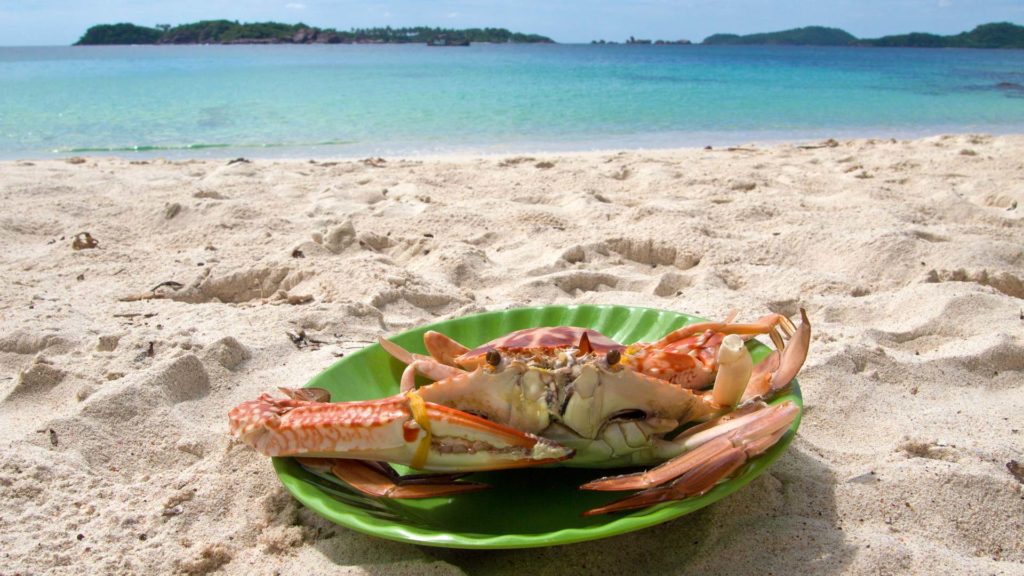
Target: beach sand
(907, 255)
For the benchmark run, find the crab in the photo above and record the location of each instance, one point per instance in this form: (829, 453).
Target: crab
(692, 405)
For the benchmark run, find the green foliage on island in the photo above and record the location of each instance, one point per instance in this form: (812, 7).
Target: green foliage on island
(228, 32)
(123, 33)
(995, 35)
(233, 32)
(424, 34)
(809, 36)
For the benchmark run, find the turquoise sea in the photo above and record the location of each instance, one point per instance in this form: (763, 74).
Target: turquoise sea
(348, 100)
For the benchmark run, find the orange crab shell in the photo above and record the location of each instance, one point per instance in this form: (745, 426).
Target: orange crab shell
(540, 339)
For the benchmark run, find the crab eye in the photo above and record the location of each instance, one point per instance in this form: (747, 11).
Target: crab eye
(493, 357)
(613, 356)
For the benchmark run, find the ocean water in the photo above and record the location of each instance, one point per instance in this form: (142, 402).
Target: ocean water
(345, 100)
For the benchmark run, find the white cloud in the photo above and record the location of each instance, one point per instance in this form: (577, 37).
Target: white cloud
(295, 6)
(453, 15)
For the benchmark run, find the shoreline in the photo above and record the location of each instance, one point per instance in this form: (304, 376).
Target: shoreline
(119, 362)
(658, 142)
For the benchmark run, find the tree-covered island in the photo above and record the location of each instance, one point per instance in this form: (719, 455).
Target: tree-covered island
(807, 36)
(995, 35)
(233, 32)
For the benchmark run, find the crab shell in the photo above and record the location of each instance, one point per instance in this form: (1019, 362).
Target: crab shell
(540, 341)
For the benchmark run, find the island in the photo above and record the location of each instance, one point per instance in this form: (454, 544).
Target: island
(807, 36)
(233, 32)
(994, 35)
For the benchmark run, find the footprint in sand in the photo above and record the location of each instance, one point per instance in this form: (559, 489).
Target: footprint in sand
(420, 298)
(1004, 282)
(462, 264)
(29, 343)
(652, 253)
(575, 281)
(244, 285)
(1008, 202)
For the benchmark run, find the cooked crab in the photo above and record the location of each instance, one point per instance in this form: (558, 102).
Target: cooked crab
(691, 403)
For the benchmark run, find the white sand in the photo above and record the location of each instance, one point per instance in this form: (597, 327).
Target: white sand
(909, 257)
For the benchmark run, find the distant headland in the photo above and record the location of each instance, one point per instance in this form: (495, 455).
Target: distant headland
(233, 32)
(994, 35)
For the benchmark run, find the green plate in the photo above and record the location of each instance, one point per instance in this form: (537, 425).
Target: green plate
(524, 508)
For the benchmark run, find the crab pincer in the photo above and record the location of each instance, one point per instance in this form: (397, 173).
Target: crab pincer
(402, 429)
(712, 455)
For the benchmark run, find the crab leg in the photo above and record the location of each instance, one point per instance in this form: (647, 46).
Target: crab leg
(692, 355)
(734, 369)
(429, 368)
(399, 353)
(380, 480)
(714, 454)
(442, 348)
(403, 429)
(765, 325)
(417, 364)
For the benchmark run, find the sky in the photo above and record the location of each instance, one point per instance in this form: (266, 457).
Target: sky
(61, 22)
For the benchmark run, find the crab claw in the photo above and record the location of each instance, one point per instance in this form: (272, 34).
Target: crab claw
(779, 369)
(402, 429)
(716, 453)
